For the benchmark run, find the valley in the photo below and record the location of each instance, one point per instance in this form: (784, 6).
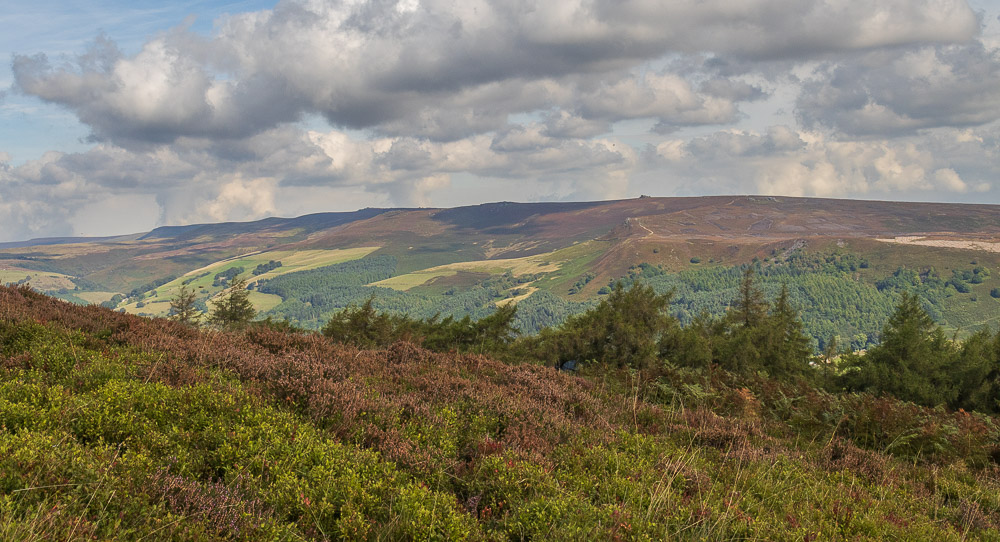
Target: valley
(845, 261)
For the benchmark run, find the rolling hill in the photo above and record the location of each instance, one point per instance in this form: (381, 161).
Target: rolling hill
(846, 261)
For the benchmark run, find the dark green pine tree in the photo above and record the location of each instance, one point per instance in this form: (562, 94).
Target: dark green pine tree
(623, 330)
(182, 307)
(741, 343)
(912, 362)
(365, 327)
(788, 349)
(977, 373)
(233, 309)
(495, 331)
(749, 308)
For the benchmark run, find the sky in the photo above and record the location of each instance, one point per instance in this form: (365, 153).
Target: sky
(118, 117)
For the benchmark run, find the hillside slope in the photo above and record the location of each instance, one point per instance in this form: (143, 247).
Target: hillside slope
(553, 259)
(117, 426)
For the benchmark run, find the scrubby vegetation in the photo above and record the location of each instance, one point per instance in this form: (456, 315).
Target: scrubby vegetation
(312, 298)
(844, 299)
(364, 327)
(840, 295)
(271, 265)
(116, 426)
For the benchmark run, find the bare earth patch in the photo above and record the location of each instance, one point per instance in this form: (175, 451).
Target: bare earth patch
(985, 246)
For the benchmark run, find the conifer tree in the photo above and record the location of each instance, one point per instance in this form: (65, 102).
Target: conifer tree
(362, 326)
(740, 343)
(182, 307)
(758, 336)
(750, 308)
(789, 351)
(912, 361)
(366, 327)
(625, 329)
(233, 309)
(977, 373)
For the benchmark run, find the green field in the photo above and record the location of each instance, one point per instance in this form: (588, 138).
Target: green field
(529, 265)
(201, 280)
(94, 297)
(45, 281)
(264, 302)
(417, 278)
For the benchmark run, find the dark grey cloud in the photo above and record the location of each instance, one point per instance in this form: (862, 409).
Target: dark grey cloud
(899, 92)
(732, 145)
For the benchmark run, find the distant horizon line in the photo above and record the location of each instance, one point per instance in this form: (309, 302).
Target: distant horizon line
(60, 239)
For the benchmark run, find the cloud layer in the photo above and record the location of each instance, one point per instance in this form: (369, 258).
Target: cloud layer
(572, 99)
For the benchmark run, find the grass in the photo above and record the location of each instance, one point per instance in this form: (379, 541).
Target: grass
(291, 261)
(576, 261)
(527, 293)
(113, 426)
(417, 278)
(95, 297)
(528, 265)
(416, 253)
(461, 280)
(202, 279)
(160, 307)
(264, 302)
(46, 281)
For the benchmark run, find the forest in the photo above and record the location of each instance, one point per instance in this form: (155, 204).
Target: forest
(312, 297)
(837, 305)
(912, 358)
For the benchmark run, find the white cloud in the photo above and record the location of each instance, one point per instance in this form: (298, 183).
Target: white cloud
(667, 97)
(948, 179)
(239, 199)
(895, 98)
(809, 163)
(447, 71)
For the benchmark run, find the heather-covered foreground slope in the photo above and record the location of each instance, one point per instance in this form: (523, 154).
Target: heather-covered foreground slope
(116, 426)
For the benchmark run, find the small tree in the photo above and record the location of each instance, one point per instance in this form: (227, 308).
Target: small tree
(233, 309)
(742, 339)
(790, 349)
(759, 336)
(182, 307)
(977, 372)
(912, 361)
(749, 308)
(367, 328)
(624, 329)
(491, 333)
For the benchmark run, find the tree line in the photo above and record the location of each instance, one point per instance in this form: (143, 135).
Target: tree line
(632, 328)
